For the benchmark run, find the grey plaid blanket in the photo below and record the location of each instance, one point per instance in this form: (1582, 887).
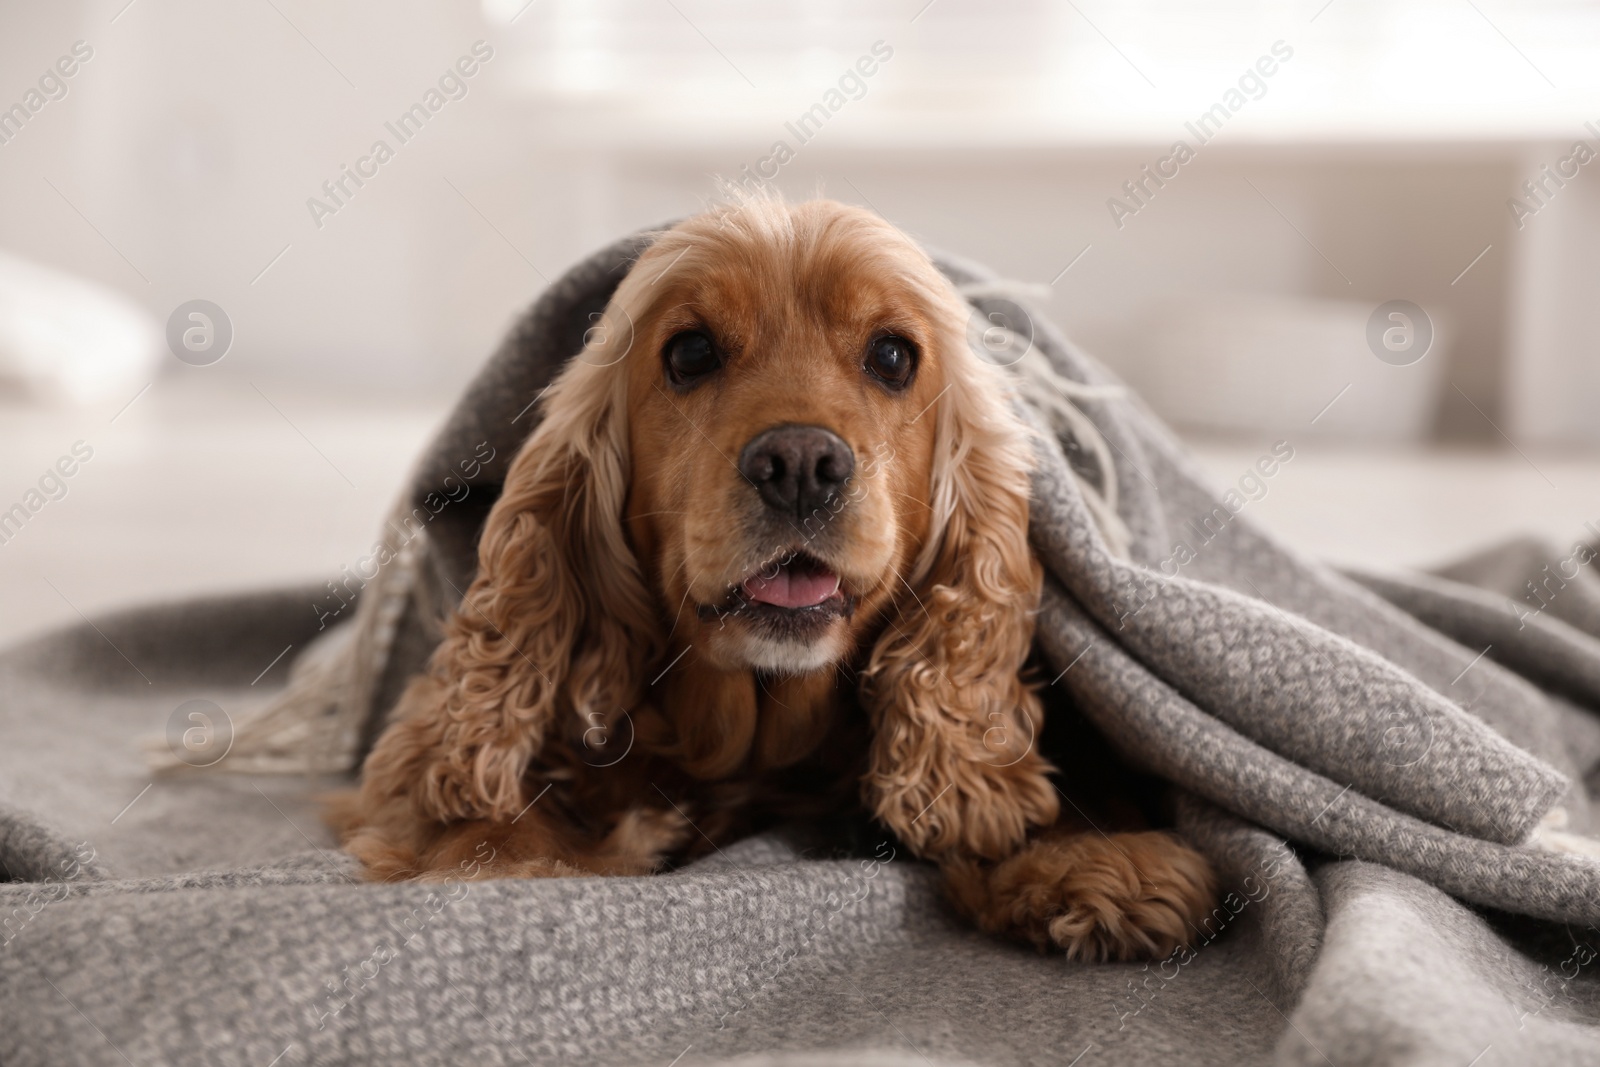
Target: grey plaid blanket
(1391, 773)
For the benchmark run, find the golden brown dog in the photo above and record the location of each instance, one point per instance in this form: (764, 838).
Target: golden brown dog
(765, 555)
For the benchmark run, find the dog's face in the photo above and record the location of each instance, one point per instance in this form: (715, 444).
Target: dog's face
(780, 395)
(777, 451)
(776, 448)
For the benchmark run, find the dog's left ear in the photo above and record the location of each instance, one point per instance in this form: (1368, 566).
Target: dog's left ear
(953, 765)
(553, 633)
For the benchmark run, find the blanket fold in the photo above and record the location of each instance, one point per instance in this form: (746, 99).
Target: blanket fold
(1365, 758)
(1312, 696)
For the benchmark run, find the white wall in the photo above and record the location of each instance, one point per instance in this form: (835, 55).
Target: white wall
(1554, 362)
(194, 137)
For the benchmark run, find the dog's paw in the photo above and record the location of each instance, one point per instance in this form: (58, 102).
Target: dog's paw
(650, 834)
(1093, 897)
(535, 867)
(538, 846)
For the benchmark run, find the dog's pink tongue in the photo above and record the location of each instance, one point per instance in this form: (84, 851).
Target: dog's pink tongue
(789, 590)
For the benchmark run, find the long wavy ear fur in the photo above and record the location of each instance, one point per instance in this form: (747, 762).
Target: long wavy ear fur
(557, 625)
(953, 768)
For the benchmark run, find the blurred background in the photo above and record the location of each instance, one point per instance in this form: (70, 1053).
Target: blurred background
(1338, 156)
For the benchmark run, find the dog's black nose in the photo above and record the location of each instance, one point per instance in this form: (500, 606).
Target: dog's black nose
(797, 469)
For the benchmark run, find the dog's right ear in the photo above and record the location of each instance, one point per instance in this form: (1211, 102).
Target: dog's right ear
(557, 622)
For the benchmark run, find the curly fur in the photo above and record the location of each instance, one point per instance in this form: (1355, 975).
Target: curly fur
(945, 679)
(601, 609)
(1094, 896)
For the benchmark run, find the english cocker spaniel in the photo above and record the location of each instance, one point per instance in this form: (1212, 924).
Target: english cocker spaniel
(765, 555)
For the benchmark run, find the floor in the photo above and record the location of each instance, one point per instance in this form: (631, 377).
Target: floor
(196, 489)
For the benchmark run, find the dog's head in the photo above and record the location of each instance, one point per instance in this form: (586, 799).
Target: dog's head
(782, 426)
(778, 454)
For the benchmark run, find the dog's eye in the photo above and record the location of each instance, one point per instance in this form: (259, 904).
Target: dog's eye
(691, 355)
(891, 360)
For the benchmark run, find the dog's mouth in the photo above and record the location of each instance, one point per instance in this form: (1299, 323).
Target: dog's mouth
(799, 583)
(795, 592)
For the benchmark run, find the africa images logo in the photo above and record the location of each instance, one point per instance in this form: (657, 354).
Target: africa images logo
(1252, 85)
(52, 485)
(52, 85)
(452, 85)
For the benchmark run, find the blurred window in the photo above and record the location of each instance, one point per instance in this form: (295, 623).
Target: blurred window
(1069, 70)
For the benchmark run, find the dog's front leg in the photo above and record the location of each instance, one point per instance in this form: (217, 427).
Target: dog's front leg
(1094, 896)
(450, 765)
(540, 842)
(982, 805)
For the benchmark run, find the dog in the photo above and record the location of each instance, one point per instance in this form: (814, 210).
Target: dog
(765, 556)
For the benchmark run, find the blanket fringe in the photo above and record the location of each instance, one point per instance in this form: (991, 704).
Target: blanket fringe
(1552, 835)
(1053, 393)
(314, 725)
